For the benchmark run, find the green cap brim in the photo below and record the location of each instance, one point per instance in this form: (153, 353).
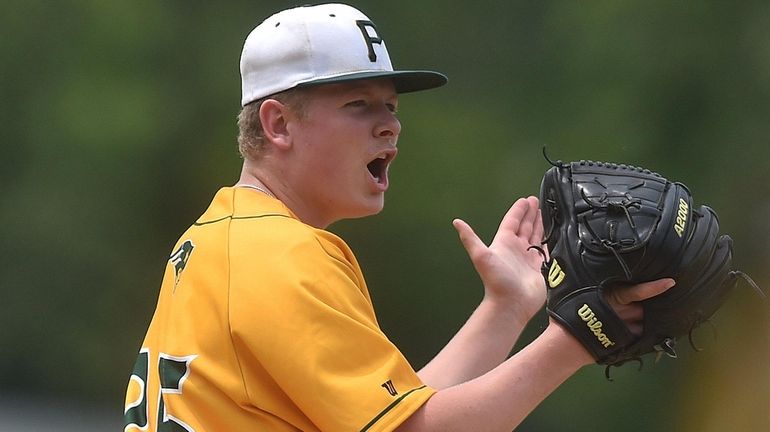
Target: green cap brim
(405, 81)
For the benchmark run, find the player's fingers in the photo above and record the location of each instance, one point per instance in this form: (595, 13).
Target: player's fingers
(631, 312)
(537, 232)
(633, 293)
(632, 315)
(514, 216)
(527, 226)
(636, 328)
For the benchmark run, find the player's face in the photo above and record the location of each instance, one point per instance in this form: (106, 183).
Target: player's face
(344, 145)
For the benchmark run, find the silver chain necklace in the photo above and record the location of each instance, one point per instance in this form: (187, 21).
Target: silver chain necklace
(264, 191)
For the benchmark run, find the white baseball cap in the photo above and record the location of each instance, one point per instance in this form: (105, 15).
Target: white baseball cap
(313, 45)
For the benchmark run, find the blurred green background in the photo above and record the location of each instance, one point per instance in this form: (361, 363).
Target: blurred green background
(118, 126)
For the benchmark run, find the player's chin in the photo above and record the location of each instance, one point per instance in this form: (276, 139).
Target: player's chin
(362, 205)
(372, 205)
(376, 206)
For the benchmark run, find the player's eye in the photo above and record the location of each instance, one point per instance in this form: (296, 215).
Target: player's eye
(356, 103)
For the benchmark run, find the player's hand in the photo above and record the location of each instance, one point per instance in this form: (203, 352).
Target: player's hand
(626, 300)
(509, 269)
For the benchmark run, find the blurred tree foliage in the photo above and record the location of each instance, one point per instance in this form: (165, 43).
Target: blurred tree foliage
(118, 125)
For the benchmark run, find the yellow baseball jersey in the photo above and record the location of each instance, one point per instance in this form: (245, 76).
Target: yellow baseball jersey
(264, 323)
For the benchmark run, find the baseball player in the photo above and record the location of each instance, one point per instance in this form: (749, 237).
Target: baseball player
(264, 321)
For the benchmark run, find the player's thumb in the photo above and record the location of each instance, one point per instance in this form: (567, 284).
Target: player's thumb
(471, 242)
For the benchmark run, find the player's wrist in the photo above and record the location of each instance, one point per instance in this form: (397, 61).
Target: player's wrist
(573, 350)
(516, 310)
(523, 297)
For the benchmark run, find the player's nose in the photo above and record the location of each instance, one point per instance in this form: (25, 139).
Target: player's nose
(388, 126)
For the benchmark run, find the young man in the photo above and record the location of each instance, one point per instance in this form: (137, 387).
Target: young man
(264, 321)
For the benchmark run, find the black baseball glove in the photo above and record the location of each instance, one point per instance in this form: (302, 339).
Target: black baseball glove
(609, 224)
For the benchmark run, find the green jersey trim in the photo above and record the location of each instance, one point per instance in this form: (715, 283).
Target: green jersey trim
(389, 407)
(239, 218)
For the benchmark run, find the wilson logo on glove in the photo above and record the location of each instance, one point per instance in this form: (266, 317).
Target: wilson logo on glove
(555, 274)
(586, 314)
(681, 217)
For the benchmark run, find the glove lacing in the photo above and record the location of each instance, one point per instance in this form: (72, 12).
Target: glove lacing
(612, 244)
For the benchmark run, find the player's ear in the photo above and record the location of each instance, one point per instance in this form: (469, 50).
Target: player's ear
(274, 117)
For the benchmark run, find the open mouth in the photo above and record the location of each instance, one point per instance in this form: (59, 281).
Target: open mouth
(378, 167)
